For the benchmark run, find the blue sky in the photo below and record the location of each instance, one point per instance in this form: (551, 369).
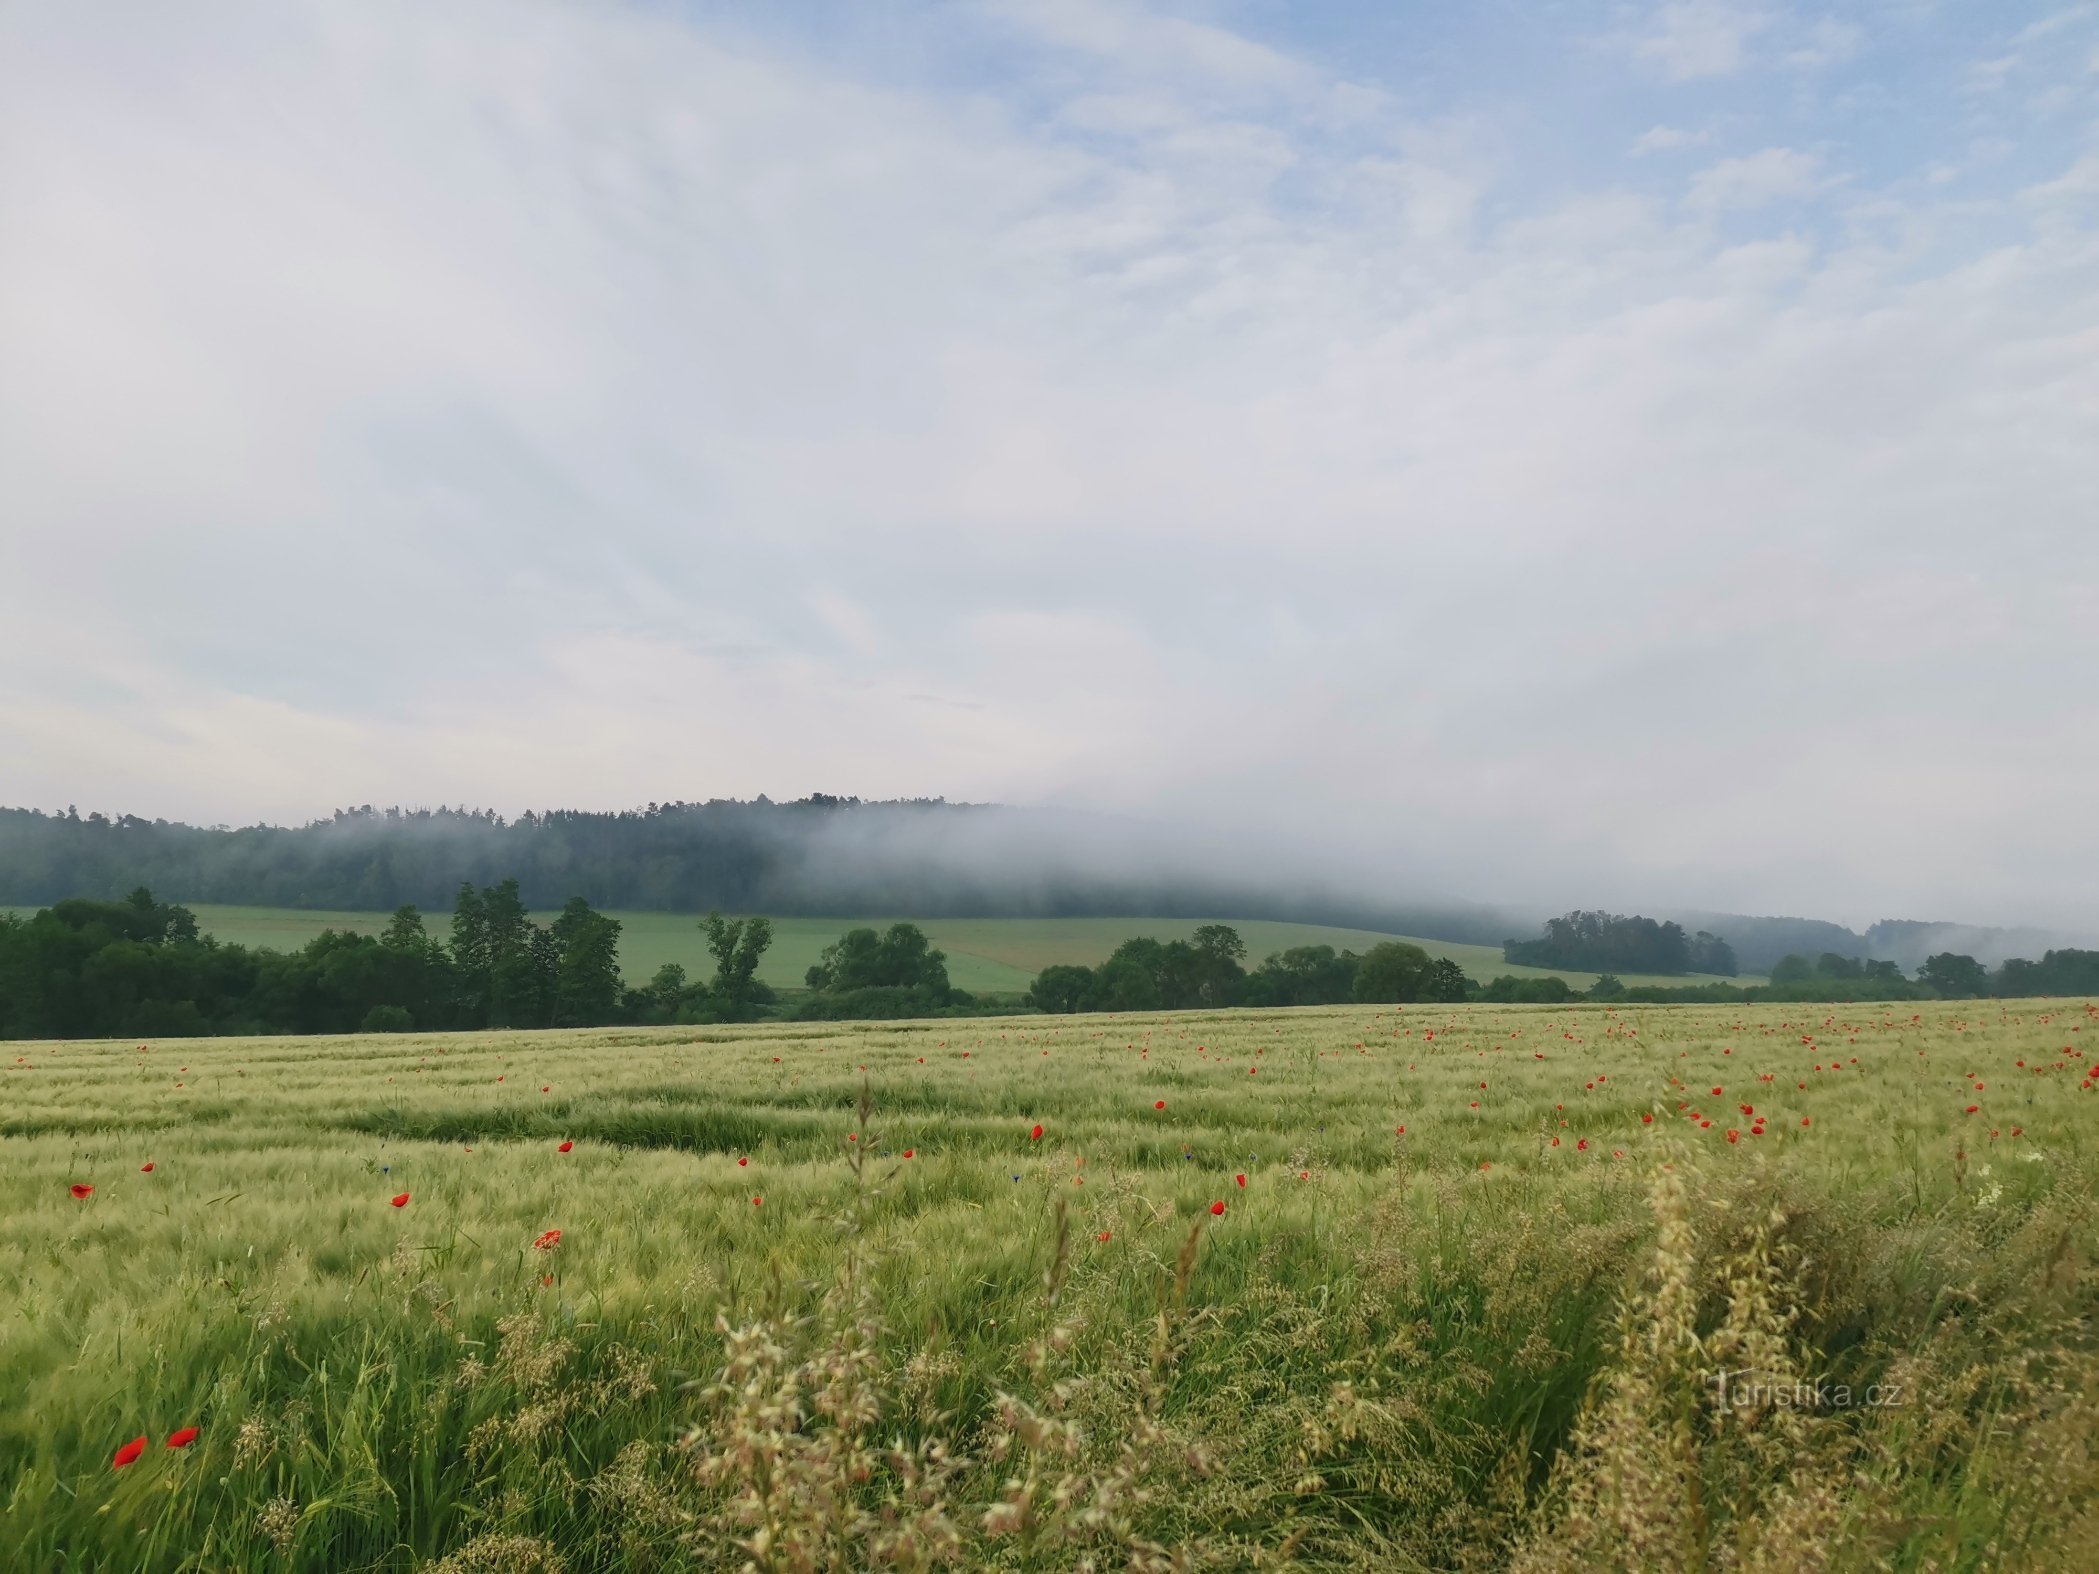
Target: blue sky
(1633, 453)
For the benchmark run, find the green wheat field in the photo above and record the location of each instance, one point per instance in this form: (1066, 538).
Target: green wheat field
(1775, 1288)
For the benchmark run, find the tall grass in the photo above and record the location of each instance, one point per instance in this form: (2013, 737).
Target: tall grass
(1463, 1345)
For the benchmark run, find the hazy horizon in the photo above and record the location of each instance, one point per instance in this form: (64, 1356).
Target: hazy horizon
(1016, 849)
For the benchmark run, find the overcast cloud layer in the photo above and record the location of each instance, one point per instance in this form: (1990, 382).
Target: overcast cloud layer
(1615, 453)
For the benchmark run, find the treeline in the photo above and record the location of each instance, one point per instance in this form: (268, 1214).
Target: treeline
(1208, 971)
(1612, 943)
(140, 967)
(1947, 975)
(89, 969)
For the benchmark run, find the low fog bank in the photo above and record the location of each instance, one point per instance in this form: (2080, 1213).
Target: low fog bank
(998, 861)
(829, 856)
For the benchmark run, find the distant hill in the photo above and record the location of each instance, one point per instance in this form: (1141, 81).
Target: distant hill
(1760, 942)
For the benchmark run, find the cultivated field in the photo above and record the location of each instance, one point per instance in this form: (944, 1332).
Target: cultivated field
(985, 955)
(1473, 1273)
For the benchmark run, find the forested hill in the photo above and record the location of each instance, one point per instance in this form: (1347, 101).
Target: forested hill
(819, 855)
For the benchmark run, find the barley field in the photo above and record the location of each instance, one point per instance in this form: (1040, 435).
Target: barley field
(1477, 1287)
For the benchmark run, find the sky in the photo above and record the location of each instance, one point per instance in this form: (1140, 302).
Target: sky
(1624, 454)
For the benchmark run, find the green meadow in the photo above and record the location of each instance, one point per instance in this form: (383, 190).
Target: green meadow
(985, 955)
(1758, 1287)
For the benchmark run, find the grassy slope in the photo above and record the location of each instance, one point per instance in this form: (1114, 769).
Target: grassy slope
(985, 955)
(377, 1386)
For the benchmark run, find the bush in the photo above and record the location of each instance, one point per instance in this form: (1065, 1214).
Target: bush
(387, 1019)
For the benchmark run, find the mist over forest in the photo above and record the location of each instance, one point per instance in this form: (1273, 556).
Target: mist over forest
(826, 855)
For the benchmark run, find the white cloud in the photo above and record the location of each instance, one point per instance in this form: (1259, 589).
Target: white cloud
(1666, 139)
(1690, 39)
(1827, 42)
(1754, 180)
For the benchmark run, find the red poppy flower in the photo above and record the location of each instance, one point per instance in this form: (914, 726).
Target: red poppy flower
(1804, 1120)
(1242, 1181)
(547, 1242)
(743, 1163)
(1647, 1120)
(146, 1168)
(565, 1147)
(757, 1202)
(1217, 1207)
(1972, 1108)
(1160, 1105)
(128, 1454)
(1035, 1135)
(1104, 1235)
(183, 1438)
(401, 1201)
(81, 1189)
(910, 1153)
